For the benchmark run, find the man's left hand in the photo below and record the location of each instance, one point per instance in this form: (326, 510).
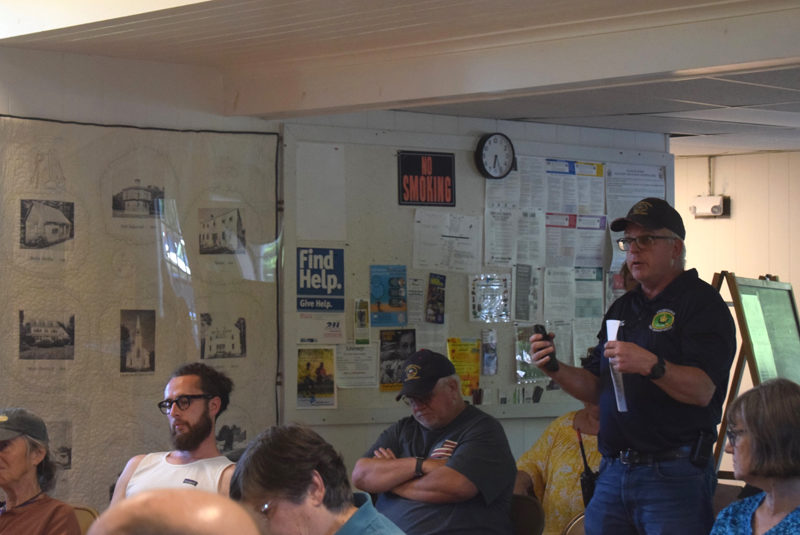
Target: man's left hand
(627, 357)
(384, 453)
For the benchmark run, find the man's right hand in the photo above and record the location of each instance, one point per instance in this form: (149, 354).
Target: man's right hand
(541, 348)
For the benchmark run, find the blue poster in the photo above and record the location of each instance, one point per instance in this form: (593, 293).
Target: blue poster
(387, 296)
(320, 279)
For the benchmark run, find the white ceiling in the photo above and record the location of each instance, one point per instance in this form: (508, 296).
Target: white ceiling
(503, 59)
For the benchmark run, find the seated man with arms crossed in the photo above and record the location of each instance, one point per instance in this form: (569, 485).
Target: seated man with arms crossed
(195, 396)
(446, 469)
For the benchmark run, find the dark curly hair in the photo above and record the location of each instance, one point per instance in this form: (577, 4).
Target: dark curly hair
(212, 381)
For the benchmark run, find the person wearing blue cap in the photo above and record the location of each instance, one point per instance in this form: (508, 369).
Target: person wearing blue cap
(26, 474)
(448, 467)
(660, 383)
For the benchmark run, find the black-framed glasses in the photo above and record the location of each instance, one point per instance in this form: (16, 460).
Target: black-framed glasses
(182, 402)
(644, 241)
(733, 435)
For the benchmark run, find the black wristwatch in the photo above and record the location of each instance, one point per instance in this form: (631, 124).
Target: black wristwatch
(658, 369)
(418, 469)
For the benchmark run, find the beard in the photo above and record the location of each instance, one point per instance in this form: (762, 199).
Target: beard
(196, 434)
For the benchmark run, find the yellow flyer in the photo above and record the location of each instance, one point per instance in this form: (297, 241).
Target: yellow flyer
(465, 354)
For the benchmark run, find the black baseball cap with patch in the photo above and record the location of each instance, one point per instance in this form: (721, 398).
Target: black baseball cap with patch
(15, 422)
(421, 372)
(652, 213)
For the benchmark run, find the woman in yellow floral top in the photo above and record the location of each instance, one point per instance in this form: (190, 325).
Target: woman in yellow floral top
(552, 468)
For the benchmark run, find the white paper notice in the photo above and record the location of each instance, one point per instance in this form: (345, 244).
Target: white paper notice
(627, 184)
(533, 183)
(559, 293)
(321, 163)
(444, 241)
(612, 326)
(415, 294)
(591, 188)
(561, 237)
(591, 234)
(357, 366)
(530, 238)
(500, 229)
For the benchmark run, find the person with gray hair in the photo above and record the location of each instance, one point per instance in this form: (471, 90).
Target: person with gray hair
(298, 483)
(660, 382)
(26, 474)
(764, 438)
(448, 467)
(176, 511)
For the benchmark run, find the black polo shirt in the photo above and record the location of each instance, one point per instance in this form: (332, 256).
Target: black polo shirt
(687, 324)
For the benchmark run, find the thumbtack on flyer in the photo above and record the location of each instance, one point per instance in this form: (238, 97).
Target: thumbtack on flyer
(612, 326)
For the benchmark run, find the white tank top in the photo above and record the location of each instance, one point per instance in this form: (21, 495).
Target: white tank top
(154, 472)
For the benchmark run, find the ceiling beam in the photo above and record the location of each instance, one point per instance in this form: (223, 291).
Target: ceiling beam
(586, 56)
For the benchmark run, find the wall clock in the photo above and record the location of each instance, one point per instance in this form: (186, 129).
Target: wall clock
(495, 156)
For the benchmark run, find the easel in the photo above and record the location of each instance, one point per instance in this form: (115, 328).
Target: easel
(735, 381)
(747, 350)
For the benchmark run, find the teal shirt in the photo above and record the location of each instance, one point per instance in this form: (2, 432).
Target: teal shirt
(737, 518)
(367, 520)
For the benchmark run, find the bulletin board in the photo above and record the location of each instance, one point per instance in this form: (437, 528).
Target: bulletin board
(126, 253)
(342, 194)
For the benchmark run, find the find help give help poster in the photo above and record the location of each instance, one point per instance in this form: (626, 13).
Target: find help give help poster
(320, 295)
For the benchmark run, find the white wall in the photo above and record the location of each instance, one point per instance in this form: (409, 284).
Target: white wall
(758, 238)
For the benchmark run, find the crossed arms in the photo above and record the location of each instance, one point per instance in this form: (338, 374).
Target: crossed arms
(384, 472)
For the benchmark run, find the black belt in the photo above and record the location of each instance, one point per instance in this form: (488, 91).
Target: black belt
(630, 456)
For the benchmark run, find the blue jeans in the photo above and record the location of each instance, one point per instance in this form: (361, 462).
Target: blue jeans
(667, 497)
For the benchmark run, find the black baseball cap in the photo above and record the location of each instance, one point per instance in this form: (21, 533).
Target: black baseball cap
(652, 213)
(421, 372)
(15, 422)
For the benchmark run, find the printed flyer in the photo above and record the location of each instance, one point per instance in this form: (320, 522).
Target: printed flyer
(316, 380)
(465, 354)
(396, 346)
(434, 308)
(388, 305)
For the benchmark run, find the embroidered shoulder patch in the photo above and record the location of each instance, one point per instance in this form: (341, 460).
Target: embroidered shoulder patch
(663, 320)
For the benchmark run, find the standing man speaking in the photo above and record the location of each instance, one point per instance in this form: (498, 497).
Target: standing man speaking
(671, 359)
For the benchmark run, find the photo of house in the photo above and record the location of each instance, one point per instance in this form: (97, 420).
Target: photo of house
(221, 231)
(45, 223)
(46, 336)
(138, 200)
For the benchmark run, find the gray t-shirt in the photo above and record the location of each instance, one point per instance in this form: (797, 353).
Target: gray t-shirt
(475, 445)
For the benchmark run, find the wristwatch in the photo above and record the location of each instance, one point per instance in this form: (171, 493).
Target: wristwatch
(418, 468)
(658, 369)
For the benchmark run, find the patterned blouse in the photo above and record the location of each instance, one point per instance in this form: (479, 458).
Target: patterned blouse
(555, 466)
(737, 518)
